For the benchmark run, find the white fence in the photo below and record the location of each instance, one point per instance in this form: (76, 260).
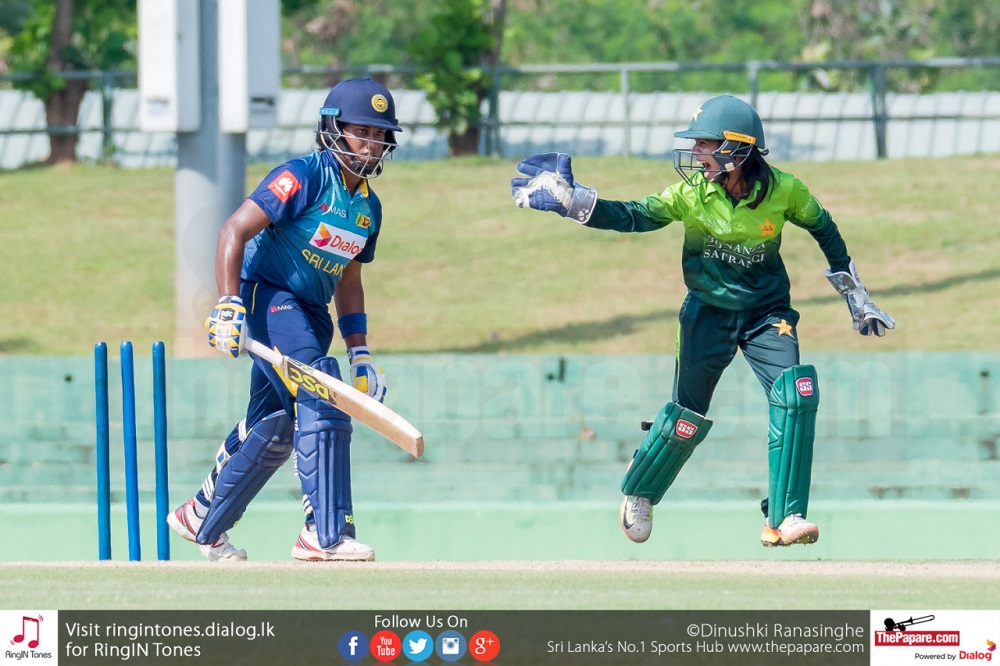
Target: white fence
(799, 126)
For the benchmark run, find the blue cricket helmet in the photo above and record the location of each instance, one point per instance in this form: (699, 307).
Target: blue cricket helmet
(358, 102)
(362, 102)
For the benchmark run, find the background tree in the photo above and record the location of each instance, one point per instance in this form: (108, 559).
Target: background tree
(13, 13)
(970, 29)
(869, 30)
(66, 36)
(335, 34)
(51, 38)
(583, 31)
(461, 40)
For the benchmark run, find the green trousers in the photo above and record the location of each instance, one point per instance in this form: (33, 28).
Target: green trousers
(709, 337)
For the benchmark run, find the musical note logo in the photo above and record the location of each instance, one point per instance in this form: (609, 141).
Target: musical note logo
(32, 644)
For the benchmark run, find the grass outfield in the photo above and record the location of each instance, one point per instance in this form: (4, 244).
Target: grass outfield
(461, 269)
(567, 585)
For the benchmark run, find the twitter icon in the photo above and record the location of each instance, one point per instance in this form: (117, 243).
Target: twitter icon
(418, 645)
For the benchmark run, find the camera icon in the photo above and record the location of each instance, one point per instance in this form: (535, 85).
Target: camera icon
(450, 645)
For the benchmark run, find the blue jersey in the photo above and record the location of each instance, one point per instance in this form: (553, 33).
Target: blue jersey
(316, 229)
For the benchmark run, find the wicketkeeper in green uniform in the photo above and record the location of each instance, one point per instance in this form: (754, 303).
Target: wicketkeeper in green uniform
(734, 207)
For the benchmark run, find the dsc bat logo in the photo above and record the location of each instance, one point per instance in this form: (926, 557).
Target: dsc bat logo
(308, 382)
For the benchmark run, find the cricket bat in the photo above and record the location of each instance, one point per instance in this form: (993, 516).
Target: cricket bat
(344, 397)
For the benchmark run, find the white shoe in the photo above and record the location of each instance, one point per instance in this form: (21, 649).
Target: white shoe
(792, 530)
(186, 523)
(637, 518)
(347, 549)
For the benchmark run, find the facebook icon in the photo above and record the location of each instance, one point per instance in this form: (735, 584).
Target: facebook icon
(353, 646)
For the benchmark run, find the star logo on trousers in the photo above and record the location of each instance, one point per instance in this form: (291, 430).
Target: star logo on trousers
(784, 328)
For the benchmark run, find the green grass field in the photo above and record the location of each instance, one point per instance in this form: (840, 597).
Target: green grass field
(567, 585)
(461, 269)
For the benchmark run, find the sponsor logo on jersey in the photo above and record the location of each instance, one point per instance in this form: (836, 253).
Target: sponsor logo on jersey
(279, 308)
(284, 185)
(326, 208)
(804, 385)
(685, 429)
(739, 254)
(338, 241)
(715, 225)
(363, 221)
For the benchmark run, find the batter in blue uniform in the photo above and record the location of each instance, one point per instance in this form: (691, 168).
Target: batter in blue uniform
(297, 243)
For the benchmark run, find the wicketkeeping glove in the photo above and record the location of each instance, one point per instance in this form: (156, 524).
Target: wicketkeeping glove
(367, 377)
(868, 318)
(226, 326)
(549, 186)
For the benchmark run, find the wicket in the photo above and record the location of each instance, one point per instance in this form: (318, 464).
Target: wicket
(131, 457)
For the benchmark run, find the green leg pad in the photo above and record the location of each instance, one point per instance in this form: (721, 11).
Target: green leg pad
(667, 446)
(794, 399)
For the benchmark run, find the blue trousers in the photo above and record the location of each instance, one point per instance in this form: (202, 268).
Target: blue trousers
(302, 331)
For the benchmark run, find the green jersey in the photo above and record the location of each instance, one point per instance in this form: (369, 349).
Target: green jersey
(730, 257)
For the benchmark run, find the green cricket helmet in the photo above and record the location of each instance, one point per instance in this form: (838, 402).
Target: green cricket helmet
(727, 119)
